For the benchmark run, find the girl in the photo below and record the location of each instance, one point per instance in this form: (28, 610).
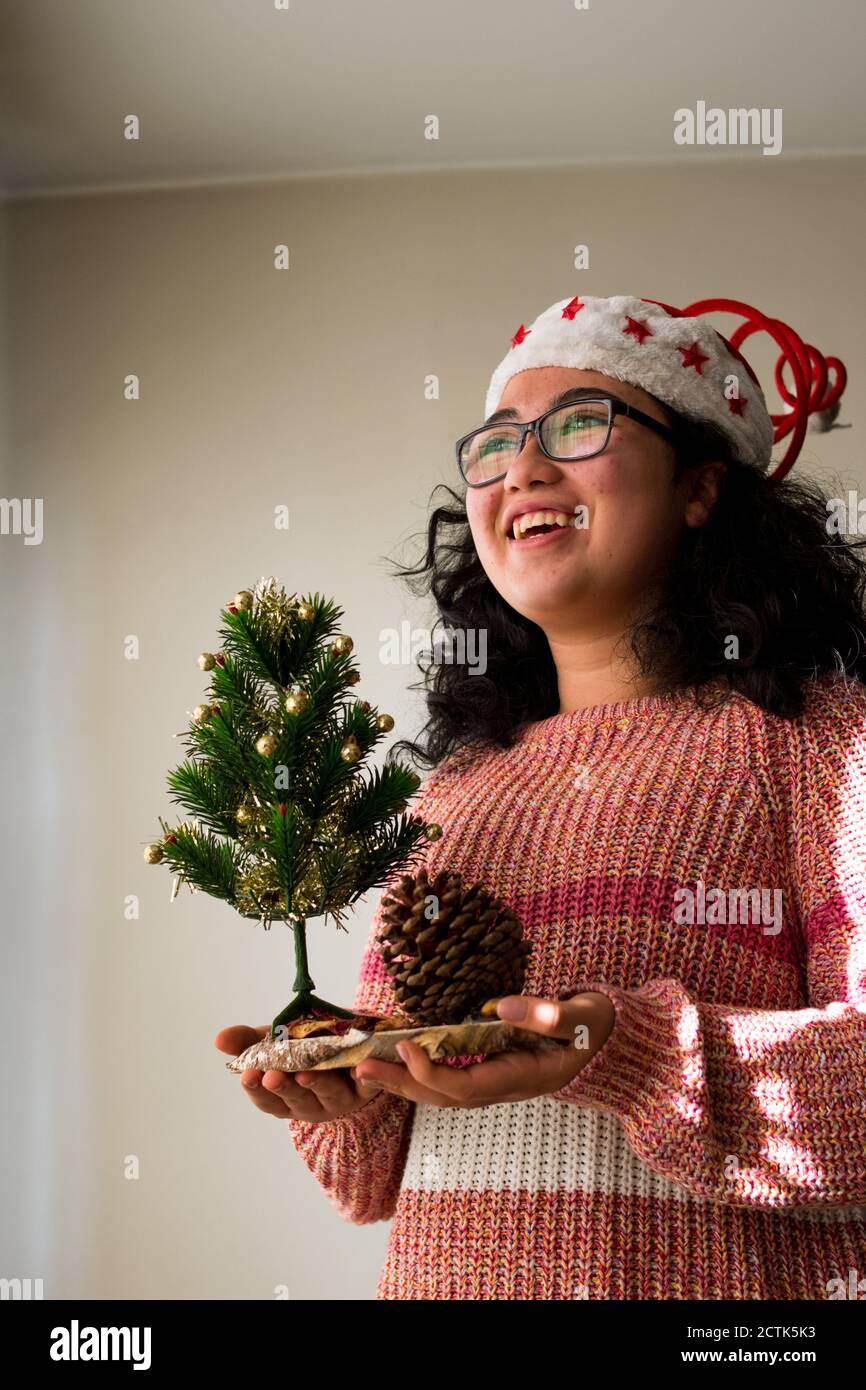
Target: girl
(662, 769)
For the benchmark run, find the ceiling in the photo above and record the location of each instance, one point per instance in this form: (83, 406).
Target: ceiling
(234, 90)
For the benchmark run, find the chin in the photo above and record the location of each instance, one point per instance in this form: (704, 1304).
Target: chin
(536, 604)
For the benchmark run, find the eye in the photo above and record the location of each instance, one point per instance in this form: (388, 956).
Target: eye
(584, 420)
(491, 446)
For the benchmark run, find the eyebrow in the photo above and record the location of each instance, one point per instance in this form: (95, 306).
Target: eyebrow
(575, 393)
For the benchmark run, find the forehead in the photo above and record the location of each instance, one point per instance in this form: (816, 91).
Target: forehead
(533, 390)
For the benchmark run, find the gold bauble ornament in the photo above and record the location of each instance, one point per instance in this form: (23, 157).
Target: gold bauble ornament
(353, 677)
(351, 750)
(342, 645)
(365, 706)
(244, 814)
(267, 745)
(243, 601)
(415, 780)
(306, 612)
(153, 854)
(433, 831)
(201, 714)
(297, 701)
(385, 723)
(206, 662)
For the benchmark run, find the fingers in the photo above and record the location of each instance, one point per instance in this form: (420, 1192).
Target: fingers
(277, 1093)
(493, 1080)
(262, 1098)
(311, 1095)
(418, 1080)
(365, 1089)
(330, 1089)
(238, 1038)
(507, 1076)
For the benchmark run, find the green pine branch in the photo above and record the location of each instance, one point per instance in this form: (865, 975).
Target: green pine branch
(387, 793)
(203, 859)
(234, 684)
(290, 843)
(200, 789)
(403, 843)
(276, 659)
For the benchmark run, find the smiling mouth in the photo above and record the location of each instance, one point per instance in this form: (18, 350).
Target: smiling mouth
(558, 521)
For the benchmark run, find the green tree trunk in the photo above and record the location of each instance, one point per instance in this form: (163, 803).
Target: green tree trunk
(304, 1002)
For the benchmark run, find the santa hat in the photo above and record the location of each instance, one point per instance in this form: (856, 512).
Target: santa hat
(684, 362)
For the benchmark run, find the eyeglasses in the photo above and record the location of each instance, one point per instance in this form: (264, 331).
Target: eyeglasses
(579, 430)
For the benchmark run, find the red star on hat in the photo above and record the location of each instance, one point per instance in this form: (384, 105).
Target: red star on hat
(520, 335)
(693, 357)
(736, 404)
(638, 328)
(573, 308)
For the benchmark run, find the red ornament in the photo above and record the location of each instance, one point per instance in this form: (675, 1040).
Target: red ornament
(282, 808)
(170, 840)
(573, 308)
(693, 357)
(810, 369)
(637, 328)
(520, 335)
(232, 607)
(220, 659)
(736, 404)
(215, 709)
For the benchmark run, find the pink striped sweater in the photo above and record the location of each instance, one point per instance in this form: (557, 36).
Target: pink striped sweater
(707, 871)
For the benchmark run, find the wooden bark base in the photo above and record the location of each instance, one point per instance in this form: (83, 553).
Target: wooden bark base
(447, 1040)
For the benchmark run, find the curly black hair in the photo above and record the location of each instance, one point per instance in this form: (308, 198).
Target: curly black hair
(765, 567)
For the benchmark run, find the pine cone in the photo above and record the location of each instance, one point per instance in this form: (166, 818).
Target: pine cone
(445, 967)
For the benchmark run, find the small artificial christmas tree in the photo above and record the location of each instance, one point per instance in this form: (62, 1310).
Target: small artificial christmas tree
(286, 825)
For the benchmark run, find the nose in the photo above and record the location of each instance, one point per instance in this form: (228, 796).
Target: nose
(528, 463)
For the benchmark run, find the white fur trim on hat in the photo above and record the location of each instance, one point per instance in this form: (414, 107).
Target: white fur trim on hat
(681, 361)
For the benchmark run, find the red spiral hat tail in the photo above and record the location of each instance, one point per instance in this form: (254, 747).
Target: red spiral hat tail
(812, 394)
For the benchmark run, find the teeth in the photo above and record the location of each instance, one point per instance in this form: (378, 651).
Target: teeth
(529, 519)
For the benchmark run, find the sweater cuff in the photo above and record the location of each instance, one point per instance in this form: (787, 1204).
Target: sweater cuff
(641, 1060)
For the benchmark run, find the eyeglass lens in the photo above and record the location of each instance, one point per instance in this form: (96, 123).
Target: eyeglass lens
(572, 432)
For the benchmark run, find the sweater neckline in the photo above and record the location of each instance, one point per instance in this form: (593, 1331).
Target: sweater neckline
(621, 713)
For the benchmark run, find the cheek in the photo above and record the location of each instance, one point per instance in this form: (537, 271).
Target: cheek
(631, 523)
(482, 511)
(627, 518)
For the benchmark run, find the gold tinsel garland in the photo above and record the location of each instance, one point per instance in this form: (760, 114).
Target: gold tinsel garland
(274, 608)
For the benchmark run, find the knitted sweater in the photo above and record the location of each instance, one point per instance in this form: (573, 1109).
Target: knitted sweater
(715, 1146)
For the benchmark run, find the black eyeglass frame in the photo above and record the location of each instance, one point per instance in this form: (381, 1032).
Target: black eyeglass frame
(614, 407)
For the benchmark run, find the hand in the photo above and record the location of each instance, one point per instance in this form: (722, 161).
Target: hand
(301, 1095)
(507, 1076)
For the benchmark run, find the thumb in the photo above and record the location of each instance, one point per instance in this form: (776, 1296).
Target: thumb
(238, 1038)
(554, 1018)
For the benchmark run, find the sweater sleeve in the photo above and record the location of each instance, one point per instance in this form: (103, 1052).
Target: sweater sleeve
(358, 1159)
(752, 1107)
